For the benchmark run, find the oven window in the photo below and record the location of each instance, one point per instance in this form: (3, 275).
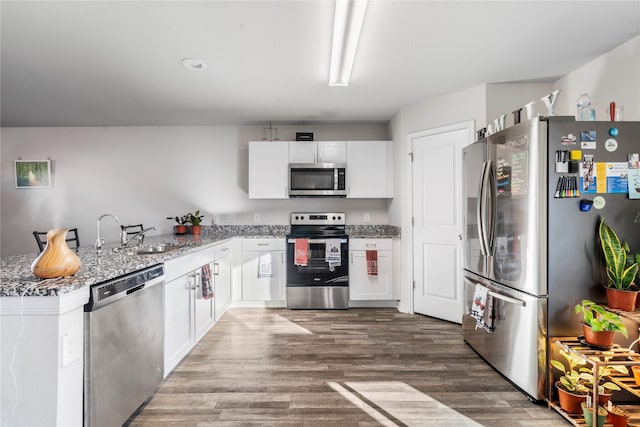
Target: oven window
(312, 179)
(317, 271)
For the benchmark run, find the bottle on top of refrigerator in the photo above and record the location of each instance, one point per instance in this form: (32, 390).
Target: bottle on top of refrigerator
(585, 111)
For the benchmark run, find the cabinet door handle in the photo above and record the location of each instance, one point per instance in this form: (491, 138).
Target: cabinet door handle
(226, 248)
(216, 269)
(192, 282)
(370, 245)
(351, 256)
(263, 244)
(281, 257)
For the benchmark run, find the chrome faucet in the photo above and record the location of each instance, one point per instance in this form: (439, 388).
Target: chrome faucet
(100, 240)
(124, 238)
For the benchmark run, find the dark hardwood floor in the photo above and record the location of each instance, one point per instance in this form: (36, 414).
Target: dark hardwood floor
(361, 367)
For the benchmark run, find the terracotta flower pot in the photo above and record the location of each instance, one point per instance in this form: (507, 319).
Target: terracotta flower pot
(196, 229)
(618, 417)
(56, 260)
(180, 229)
(597, 339)
(621, 300)
(604, 398)
(570, 402)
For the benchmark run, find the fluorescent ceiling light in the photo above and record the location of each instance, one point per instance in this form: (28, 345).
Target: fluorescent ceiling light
(346, 32)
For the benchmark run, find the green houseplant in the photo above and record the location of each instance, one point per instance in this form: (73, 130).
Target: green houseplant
(181, 221)
(621, 271)
(571, 391)
(599, 324)
(195, 219)
(605, 387)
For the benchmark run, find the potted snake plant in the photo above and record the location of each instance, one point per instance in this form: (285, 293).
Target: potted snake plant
(620, 273)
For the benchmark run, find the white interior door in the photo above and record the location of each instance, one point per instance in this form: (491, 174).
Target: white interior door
(437, 218)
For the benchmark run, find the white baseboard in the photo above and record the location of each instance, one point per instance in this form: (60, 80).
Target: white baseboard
(374, 304)
(259, 304)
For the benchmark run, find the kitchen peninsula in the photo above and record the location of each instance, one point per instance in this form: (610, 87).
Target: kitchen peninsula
(43, 320)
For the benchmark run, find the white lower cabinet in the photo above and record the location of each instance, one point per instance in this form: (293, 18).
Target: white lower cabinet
(221, 270)
(188, 315)
(264, 271)
(363, 287)
(179, 334)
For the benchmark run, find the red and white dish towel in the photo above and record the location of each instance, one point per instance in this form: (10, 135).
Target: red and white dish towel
(372, 262)
(207, 285)
(482, 308)
(301, 252)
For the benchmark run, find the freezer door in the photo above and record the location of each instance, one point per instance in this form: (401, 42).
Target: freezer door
(516, 218)
(517, 347)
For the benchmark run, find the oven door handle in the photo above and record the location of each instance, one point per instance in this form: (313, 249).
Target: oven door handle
(317, 241)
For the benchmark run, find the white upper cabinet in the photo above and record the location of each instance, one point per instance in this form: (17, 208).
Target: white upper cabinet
(317, 152)
(369, 169)
(268, 169)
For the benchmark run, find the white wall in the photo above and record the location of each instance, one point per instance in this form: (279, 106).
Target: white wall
(614, 76)
(468, 104)
(144, 174)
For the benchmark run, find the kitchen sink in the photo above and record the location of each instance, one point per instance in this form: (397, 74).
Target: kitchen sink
(156, 249)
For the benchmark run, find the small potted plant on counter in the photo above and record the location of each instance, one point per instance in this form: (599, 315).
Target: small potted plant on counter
(195, 219)
(181, 227)
(620, 273)
(571, 392)
(599, 324)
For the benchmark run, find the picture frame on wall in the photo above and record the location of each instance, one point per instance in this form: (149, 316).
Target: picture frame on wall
(33, 173)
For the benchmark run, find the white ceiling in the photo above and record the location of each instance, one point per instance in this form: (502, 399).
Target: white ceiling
(88, 63)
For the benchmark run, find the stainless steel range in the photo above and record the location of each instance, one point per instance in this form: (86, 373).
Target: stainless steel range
(317, 261)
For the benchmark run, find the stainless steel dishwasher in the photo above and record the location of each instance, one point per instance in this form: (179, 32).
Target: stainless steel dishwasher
(123, 338)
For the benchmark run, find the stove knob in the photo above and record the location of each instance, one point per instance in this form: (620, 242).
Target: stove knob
(339, 217)
(334, 218)
(301, 216)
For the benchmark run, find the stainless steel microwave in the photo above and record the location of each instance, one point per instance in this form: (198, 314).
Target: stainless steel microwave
(317, 180)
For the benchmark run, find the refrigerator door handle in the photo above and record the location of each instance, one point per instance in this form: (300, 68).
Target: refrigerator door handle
(507, 299)
(482, 209)
(490, 214)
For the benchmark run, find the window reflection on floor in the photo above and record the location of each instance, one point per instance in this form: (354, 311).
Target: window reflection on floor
(272, 324)
(394, 403)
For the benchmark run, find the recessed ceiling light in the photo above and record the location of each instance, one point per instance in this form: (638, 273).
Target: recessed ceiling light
(194, 64)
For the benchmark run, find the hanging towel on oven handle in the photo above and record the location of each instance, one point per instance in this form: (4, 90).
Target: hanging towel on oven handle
(332, 253)
(301, 252)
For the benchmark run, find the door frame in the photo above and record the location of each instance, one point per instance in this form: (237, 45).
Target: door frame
(468, 125)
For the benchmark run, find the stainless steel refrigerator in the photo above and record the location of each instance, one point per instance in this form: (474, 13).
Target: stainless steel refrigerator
(537, 254)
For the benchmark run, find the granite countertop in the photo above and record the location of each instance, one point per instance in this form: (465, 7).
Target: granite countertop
(16, 278)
